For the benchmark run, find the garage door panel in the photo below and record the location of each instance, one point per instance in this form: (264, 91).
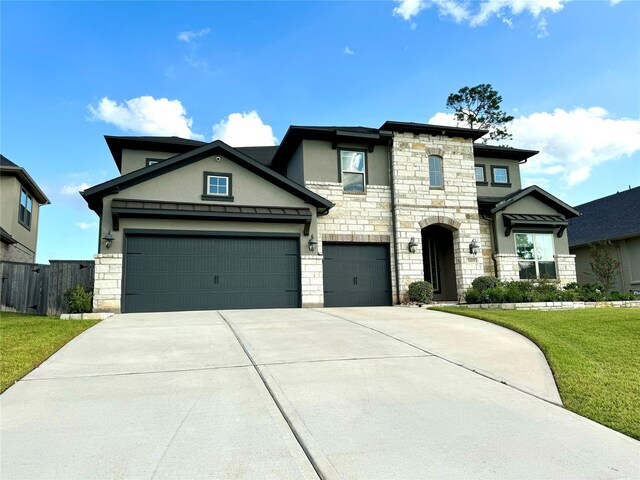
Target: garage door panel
(356, 274)
(173, 273)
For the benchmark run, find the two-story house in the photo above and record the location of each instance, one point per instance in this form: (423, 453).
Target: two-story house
(333, 216)
(20, 202)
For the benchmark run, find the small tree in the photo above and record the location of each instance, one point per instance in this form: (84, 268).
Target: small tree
(604, 266)
(479, 107)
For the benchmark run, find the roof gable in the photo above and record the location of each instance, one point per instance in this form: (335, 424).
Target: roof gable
(607, 218)
(540, 194)
(94, 195)
(7, 167)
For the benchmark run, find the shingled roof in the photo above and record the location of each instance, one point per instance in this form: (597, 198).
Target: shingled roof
(608, 218)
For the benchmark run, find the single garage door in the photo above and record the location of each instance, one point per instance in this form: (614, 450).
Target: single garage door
(180, 272)
(356, 275)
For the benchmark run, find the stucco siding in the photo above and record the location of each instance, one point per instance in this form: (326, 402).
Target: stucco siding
(133, 160)
(27, 237)
(493, 191)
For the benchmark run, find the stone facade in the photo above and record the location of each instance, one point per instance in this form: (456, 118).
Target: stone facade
(566, 266)
(107, 289)
(507, 266)
(487, 247)
(554, 305)
(419, 205)
(311, 279)
(16, 253)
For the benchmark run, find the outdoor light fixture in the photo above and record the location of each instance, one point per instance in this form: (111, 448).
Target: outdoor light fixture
(312, 243)
(108, 239)
(412, 245)
(474, 247)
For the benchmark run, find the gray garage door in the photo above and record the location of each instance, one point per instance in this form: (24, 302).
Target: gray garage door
(356, 275)
(174, 273)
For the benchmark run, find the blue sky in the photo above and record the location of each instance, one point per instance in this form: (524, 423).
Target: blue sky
(72, 72)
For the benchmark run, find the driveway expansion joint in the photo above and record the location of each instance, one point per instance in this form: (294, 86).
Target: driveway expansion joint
(452, 362)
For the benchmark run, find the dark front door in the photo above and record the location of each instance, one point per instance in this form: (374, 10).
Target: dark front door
(180, 272)
(438, 261)
(356, 275)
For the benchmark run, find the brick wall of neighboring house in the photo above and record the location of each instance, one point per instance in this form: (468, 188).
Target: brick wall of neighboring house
(418, 205)
(16, 253)
(107, 289)
(362, 218)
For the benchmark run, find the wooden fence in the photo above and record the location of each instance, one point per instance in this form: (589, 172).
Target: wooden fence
(39, 289)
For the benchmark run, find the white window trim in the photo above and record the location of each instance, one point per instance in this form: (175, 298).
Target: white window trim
(354, 172)
(209, 192)
(535, 259)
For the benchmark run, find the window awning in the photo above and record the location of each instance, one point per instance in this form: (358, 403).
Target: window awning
(121, 208)
(512, 220)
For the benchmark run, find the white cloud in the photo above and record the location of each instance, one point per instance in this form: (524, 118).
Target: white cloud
(479, 12)
(571, 143)
(86, 225)
(348, 51)
(73, 188)
(146, 115)
(190, 35)
(244, 130)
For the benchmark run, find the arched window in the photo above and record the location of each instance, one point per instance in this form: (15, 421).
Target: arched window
(436, 178)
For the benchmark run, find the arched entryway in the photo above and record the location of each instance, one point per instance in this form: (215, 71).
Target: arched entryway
(438, 261)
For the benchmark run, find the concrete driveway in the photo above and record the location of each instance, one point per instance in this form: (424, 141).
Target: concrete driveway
(331, 393)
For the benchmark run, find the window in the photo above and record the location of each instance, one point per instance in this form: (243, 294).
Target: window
(353, 164)
(217, 186)
(435, 171)
(480, 177)
(26, 207)
(535, 255)
(500, 176)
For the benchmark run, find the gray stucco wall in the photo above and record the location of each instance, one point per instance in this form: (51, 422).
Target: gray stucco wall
(9, 207)
(321, 162)
(514, 177)
(136, 159)
(186, 185)
(527, 205)
(626, 251)
(295, 167)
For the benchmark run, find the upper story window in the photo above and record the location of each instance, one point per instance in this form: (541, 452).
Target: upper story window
(436, 178)
(217, 186)
(353, 170)
(480, 175)
(26, 207)
(500, 176)
(535, 255)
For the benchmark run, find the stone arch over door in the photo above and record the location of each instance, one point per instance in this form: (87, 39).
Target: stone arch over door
(441, 259)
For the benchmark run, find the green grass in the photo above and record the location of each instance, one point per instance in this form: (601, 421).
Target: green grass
(594, 354)
(28, 340)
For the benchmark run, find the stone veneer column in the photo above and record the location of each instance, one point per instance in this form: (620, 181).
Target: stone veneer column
(508, 268)
(419, 205)
(107, 288)
(312, 282)
(566, 265)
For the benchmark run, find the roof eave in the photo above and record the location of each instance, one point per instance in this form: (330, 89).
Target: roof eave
(24, 176)
(444, 130)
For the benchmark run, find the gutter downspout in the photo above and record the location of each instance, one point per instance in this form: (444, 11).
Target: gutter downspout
(394, 226)
(493, 243)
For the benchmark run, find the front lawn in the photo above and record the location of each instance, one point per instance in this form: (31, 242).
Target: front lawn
(28, 340)
(594, 354)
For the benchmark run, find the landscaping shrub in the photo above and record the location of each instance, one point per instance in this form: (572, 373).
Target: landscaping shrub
(493, 295)
(472, 295)
(420, 292)
(518, 291)
(484, 283)
(591, 292)
(546, 291)
(79, 299)
(619, 296)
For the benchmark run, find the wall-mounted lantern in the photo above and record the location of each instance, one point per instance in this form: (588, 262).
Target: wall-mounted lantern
(474, 247)
(412, 245)
(108, 239)
(312, 243)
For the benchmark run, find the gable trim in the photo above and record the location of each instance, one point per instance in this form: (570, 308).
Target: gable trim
(541, 195)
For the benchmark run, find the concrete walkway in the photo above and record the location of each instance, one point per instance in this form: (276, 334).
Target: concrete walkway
(331, 393)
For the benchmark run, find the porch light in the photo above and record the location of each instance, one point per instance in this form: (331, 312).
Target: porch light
(312, 243)
(108, 239)
(474, 247)
(412, 245)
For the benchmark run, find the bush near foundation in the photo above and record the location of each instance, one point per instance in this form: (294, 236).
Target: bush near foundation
(79, 299)
(485, 290)
(421, 292)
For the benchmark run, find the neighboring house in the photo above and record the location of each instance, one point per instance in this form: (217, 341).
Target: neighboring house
(615, 218)
(21, 199)
(334, 216)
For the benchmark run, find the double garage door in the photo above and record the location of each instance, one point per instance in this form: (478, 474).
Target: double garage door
(164, 273)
